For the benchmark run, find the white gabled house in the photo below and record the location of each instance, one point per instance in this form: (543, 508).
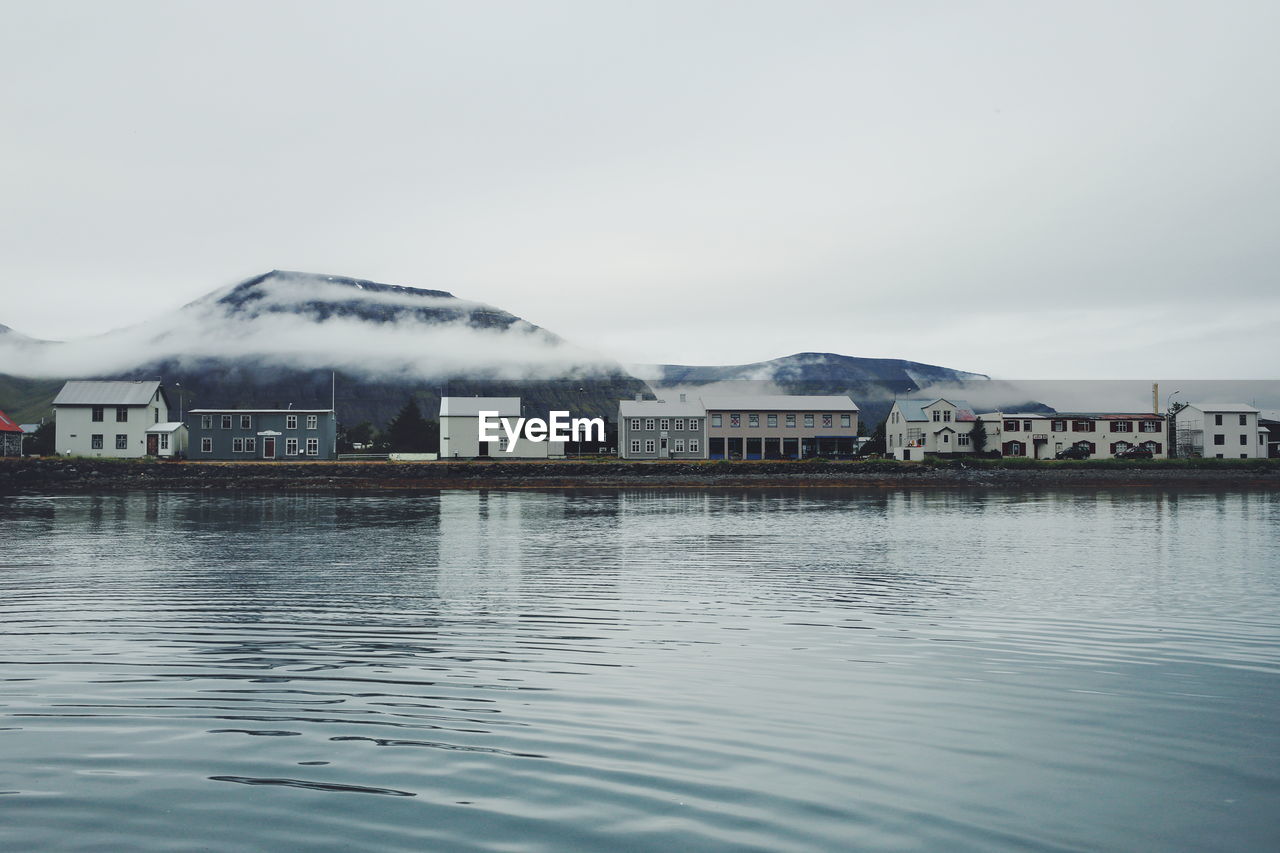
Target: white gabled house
(916, 427)
(108, 418)
(1220, 430)
(460, 431)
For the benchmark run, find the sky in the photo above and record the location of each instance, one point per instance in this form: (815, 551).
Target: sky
(1053, 190)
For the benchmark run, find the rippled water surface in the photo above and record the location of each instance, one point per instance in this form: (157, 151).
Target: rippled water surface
(524, 671)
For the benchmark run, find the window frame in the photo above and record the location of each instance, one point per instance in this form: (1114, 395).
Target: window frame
(122, 441)
(246, 422)
(96, 441)
(98, 414)
(206, 444)
(226, 422)
(290, 421)
(122, 414)
(313, 422)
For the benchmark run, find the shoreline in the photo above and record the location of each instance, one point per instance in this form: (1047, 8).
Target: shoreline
(92, 475)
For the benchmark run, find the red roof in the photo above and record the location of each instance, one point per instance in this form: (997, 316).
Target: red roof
(7, 424)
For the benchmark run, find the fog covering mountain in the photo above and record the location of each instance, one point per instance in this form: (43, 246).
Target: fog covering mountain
(281, 338)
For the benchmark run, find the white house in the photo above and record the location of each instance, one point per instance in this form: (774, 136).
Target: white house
(111, 418)
(920, 426)
(167, 439)
(1219, 430)
(460, 431)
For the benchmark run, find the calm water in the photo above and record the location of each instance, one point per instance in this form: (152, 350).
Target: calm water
(640, 671)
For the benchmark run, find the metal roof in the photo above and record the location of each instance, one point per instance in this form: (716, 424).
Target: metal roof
(167, 426)
(661, 409)
(83, 392)
(7, 424)
(1223, 407)
(471, 407)
(781, 403)
(913, 410)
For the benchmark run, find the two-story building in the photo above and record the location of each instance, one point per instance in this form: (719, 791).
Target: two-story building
(1100, 435)
(107, 418)
(252, 434)
(937, 426)
(460, 431)
(782, 426)
(662, 429)
(1220, 430)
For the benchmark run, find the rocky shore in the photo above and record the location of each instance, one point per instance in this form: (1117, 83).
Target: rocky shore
(81, 475)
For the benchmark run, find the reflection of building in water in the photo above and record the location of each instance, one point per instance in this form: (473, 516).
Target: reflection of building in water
(481, 543)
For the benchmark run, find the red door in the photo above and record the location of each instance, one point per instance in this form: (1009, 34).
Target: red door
(153, 444)
(268, 448)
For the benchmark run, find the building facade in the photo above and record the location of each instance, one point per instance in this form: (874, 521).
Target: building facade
(257, 434)
(460, 431)
(658, 429)
(1103, 435)
(10, 436)
(780, 426)
(1219, 430)
(167, 440)
(938, 426)
(107, 419)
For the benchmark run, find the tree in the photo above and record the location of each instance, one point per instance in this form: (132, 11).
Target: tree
(877, 442)
(40, 442)
(409, 432)
(978, 436)
(361, 434)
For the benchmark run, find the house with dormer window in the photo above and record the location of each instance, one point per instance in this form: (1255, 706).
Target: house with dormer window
(919, 426)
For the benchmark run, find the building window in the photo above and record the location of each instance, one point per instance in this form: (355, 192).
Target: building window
(1244, 440)
(937, 415)
(753, 421)
(808, 421)
(226, 421)
(313, 421)
(695, 423)
(635, 424)
(313, 446)
(122, 441)
(771, 421)
(1217, 420)
(946, 438)
(1244, 455)
(635, 446)
(679, 425)
(1244, 420)
(1026, 426)
(155, 418)
(1219, 438)
(846, 421)
(95, 441)
(291, 447)
(1122, 426)
(791, 421)
(97, 414)
(735, 420)
(1149, 426)
(717, 420)
(237, 445)
(206, 445)
(164, 441)
(122, 415)
(664, 424)
(648, 445)
(1011, 426)
(1059, 426)
(251, 445)
(693, 445)
(206, 422)
(648, 423)
(1082, 426)
(290, 421)
(946, 416)
(962, 440)
(246, 422)
(826, 421)
(678, 445)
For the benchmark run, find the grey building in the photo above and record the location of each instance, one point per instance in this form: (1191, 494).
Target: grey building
(249, 434)
(658, 429)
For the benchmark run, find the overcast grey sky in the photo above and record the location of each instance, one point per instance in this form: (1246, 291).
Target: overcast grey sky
(1022, 189)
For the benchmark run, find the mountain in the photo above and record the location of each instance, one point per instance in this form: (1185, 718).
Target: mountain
(872, 383)
(291, 338)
